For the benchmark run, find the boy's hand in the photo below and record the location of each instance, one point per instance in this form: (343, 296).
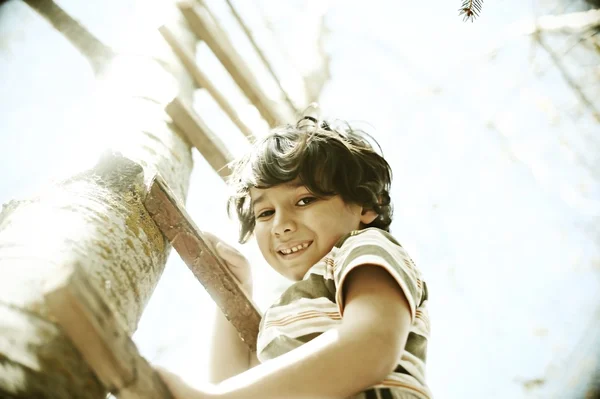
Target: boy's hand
(235, 261)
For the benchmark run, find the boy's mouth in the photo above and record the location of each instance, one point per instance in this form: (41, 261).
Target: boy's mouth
(295, 249)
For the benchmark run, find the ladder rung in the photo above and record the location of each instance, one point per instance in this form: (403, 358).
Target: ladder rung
(206, 29)
(85, 316)
(203, 81)
(200, 136)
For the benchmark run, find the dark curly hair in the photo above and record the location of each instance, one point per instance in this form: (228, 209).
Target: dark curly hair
(328, 161)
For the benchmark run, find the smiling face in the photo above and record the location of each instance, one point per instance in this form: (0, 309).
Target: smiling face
(294, 229)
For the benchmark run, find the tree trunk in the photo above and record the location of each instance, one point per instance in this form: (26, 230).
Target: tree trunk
(96, 220)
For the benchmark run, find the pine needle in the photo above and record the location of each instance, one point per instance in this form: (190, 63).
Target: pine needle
(470, 9)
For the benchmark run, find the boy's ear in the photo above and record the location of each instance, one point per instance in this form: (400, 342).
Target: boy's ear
(367, 216)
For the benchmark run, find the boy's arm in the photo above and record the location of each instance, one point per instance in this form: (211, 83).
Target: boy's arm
(229, 355)
(341, 362)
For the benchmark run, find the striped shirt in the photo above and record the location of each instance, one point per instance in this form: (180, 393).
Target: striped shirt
(315, 304)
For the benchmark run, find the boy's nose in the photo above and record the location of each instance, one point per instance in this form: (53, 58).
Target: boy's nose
(283, 224)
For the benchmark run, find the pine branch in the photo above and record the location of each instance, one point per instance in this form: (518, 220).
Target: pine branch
(470, 9)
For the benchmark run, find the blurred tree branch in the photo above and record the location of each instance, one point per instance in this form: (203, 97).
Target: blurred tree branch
(470, 9)
(573, 23)
(556, 59)
(97, 53)
(566, 23)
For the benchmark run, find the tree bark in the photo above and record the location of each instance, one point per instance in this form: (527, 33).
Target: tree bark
(95, 219)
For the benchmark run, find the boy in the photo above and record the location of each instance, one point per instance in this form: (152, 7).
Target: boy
(354, 324)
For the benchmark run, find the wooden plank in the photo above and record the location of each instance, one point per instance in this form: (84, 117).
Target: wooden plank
(201, 137)
(203, 81)
(86, 318)
(262, 56)
(207, 30)
(174, 222)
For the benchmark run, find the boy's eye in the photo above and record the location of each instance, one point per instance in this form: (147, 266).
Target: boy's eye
(264, 214)
(305, 201)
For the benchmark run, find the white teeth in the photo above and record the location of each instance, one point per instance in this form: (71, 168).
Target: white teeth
(294, 249)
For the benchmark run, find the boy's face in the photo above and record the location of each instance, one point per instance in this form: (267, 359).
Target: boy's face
(294, 229)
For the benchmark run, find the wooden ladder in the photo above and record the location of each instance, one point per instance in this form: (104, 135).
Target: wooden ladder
(81, 309)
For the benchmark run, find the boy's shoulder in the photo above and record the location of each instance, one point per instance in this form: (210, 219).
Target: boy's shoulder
(368, 235)
(376, 244)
